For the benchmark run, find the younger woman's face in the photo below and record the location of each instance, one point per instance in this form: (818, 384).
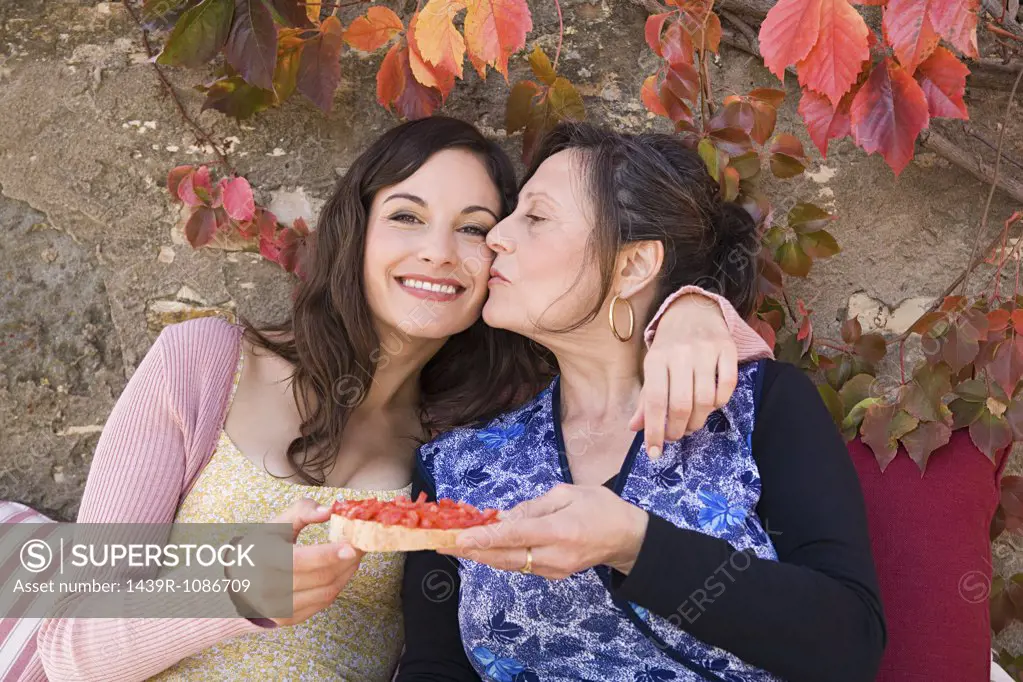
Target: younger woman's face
(427, 261)
(542, 273)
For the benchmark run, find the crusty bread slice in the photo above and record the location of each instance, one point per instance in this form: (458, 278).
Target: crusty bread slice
(372, 536)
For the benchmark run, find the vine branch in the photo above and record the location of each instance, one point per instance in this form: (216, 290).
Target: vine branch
(200, 133)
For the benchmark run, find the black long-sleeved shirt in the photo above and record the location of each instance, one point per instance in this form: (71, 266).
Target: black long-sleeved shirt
(814, 615)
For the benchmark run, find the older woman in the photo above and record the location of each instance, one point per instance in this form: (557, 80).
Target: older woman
(741, 553)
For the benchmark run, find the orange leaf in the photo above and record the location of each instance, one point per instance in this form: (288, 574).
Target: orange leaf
(788, 33)
(435, 35)
(654, 26)
(956, 21)
(496, 29)
(677, 45)
(648, 94)
(1017, 320)
(708, 35)
(430, 76)
(908, 27)
(398, 88)
(888, 113)
(836, 59)
(942, 77)
(542, 67)
(998, 320)
(520, 105)
(372, 31)
(823, 121)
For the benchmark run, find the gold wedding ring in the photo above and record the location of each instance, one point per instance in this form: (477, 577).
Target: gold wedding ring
(528, 568)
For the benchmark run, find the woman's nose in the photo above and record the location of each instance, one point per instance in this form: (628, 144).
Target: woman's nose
(499, 238)
(438, 247)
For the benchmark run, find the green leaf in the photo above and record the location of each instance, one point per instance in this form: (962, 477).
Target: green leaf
(856, 390)
(852, 421)
(877, 429)
(785, 166)
(819, 244)
(804, 217)
(965, 412)
(793, 260)
(972, 390)
(711, 157)
(199, 34)
(747, 165)
(157, 14)
(236, 98)
(833, 402)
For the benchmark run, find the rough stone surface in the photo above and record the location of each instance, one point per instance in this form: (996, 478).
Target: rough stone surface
(94, 261)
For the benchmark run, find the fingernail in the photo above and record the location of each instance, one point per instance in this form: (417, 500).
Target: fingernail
(346, 552)
(654, 452)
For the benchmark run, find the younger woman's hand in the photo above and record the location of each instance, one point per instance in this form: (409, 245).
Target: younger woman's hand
(319, 572)
(690, 370)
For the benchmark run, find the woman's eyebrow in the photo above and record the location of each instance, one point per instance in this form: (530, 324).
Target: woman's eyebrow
(474, 209)
(540, 195)
(410, 197)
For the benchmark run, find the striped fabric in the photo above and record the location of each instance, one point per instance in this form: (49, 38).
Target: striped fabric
(19, 660)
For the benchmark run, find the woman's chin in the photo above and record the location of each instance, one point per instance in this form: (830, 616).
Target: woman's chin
(496, 315)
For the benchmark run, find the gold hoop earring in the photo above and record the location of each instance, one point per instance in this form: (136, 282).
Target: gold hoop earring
(611, 318)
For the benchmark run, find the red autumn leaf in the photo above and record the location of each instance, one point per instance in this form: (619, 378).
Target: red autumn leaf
(293, 12)
(398, 88)
(237, 197)
(765, 330)
(823, 121)
(677, 44)
(888, 113)
(654, 27)
(648, 93)
(956, 21)
(496, 29)
(788, 33)
(943, 79)
(922, 441)
(319, 70)
(708, 33)
(372, 31)
(1006, 366)
(201, 226)
(1017, 320)
(872, 348)
(852, 330)
(436, 37)
(835, 61)
(174, 178)
(195, 184)
(427, 74)
(252, 45)
(998, 320)
(907, 25)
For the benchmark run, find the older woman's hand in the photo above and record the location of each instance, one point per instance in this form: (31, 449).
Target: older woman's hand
(570, 529)
(690, 370)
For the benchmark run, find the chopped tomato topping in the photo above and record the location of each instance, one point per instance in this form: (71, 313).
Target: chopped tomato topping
(444, 514)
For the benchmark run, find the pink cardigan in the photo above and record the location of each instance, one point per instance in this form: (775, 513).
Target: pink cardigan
(158, 438)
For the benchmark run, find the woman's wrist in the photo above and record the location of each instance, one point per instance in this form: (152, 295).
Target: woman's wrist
(630, 540)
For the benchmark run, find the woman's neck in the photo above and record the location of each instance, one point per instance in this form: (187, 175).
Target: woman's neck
(600, 381)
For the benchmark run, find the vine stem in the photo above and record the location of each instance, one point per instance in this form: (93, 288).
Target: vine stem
(994, 182)
(975, 260)
(561, 34)
(196, 128)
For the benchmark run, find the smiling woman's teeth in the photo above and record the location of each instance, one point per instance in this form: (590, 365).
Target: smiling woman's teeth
(428, 286)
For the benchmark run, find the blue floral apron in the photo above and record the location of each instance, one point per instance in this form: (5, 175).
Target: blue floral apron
(525, 628)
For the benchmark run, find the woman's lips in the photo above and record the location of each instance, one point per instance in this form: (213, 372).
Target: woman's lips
(432, 291)
(496, 278)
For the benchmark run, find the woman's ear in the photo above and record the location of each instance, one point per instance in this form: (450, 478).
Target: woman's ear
(638, 265)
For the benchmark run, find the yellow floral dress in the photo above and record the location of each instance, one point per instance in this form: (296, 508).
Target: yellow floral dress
(358, 638)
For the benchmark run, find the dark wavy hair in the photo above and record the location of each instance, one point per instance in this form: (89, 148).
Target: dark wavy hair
(650, 186)
(329, 334)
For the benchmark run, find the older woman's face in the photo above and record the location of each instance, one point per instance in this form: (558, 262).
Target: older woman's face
(542, 274)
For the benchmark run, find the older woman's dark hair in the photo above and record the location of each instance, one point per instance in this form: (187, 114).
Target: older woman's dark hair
(329, 336)
(652, 187)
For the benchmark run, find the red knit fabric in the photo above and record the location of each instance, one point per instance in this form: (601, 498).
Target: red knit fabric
(930, 537)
